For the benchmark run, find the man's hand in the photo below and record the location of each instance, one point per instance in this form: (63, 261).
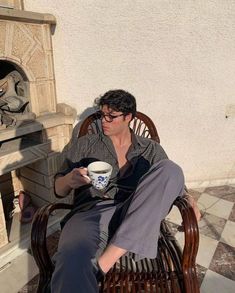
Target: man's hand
(77, 178)
(74, 179)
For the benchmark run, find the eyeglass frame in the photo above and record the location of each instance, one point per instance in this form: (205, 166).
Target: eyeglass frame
(100, 115)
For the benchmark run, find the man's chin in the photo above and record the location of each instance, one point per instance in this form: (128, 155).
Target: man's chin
(106, 131)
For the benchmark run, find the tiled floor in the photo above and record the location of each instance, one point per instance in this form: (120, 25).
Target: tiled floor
(216, 255)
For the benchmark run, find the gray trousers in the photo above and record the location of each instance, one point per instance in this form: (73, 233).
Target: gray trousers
(86, 234)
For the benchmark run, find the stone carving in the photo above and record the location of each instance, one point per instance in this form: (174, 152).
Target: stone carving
(13, 100)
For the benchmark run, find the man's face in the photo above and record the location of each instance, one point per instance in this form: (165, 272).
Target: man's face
(114, 123)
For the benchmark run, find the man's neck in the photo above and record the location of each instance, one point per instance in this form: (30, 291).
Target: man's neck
(123, 139)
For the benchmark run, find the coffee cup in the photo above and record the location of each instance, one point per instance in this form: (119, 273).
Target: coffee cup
(99, 172)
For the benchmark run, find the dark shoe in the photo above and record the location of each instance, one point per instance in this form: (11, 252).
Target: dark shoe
(26, 207)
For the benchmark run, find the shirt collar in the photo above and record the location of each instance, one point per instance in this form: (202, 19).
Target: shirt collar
(139, 144)
(137, 141)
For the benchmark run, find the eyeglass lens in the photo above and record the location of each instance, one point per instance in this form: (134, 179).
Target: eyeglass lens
(107, 117)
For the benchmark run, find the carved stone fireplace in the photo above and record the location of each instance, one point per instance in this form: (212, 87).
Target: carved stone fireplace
(31, 145)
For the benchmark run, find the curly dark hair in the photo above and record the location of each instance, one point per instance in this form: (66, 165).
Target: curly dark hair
(118, 100)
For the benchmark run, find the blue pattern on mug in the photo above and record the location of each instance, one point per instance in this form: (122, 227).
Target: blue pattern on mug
(101, 182)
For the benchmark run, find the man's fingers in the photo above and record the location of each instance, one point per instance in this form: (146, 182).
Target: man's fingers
(81, 171)
(81, 175)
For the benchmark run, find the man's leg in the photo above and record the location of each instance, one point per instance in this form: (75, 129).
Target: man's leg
(150, 203)
(83, 237)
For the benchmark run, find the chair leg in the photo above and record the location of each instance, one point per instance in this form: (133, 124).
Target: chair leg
(39, 251)
(44, 284)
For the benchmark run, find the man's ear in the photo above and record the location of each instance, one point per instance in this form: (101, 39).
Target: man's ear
(128, 117)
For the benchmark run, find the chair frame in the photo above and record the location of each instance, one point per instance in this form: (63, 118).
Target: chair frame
(183, 276)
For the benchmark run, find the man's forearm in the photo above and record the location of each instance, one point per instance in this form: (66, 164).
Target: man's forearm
(62, 188)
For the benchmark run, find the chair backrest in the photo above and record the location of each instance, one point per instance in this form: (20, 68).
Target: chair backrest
(142, 125)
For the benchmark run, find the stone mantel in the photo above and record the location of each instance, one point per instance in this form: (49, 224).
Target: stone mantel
(27, 16)
(43, 122)
(14, 154)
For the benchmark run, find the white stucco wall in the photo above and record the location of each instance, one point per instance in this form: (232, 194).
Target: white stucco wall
(176, 57)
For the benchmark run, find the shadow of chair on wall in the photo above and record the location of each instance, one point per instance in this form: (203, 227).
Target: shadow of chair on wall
(80, 118)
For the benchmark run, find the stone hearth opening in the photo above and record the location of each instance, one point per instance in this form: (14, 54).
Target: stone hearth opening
(7, 67)
(14, 95)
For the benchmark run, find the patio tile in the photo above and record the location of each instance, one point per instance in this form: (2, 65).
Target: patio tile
(201, 271)
(211, 226)
(174, 216)
(199, 189)
(214, 282)
(31, 286)
(216, 206)
(20, 270)
(228, 235)
(195, 193)
(223, 261)
(232, 215)
(174, 227)
(226, 192)
(207, 247)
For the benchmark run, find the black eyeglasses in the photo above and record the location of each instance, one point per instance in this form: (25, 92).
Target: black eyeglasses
(107, 117)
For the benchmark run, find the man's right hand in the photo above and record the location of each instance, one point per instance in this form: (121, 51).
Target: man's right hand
(77, 178)
(74, 179)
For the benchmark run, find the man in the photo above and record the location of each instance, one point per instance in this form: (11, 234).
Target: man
(125, 218)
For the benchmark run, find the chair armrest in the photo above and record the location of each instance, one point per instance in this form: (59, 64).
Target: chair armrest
(191, 242)
(38, 236)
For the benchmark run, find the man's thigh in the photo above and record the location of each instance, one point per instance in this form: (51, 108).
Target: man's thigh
(89, 230)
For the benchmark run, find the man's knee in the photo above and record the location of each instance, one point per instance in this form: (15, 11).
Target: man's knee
(171, 170)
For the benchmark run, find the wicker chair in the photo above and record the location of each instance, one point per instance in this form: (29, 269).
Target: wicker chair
(173, 270)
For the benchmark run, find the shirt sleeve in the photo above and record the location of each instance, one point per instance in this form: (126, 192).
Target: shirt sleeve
(158, 153)
(72, 156)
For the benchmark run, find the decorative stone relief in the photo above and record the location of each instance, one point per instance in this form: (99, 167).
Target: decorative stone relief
(2, 38)
(21, 42)
(37, 64)
(28, 45)
(37, 33)
(16, 4)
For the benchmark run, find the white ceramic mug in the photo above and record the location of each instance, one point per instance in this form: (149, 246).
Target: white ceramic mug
(99, 172)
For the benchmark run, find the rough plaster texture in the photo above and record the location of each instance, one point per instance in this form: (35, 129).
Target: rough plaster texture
(176, 57)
